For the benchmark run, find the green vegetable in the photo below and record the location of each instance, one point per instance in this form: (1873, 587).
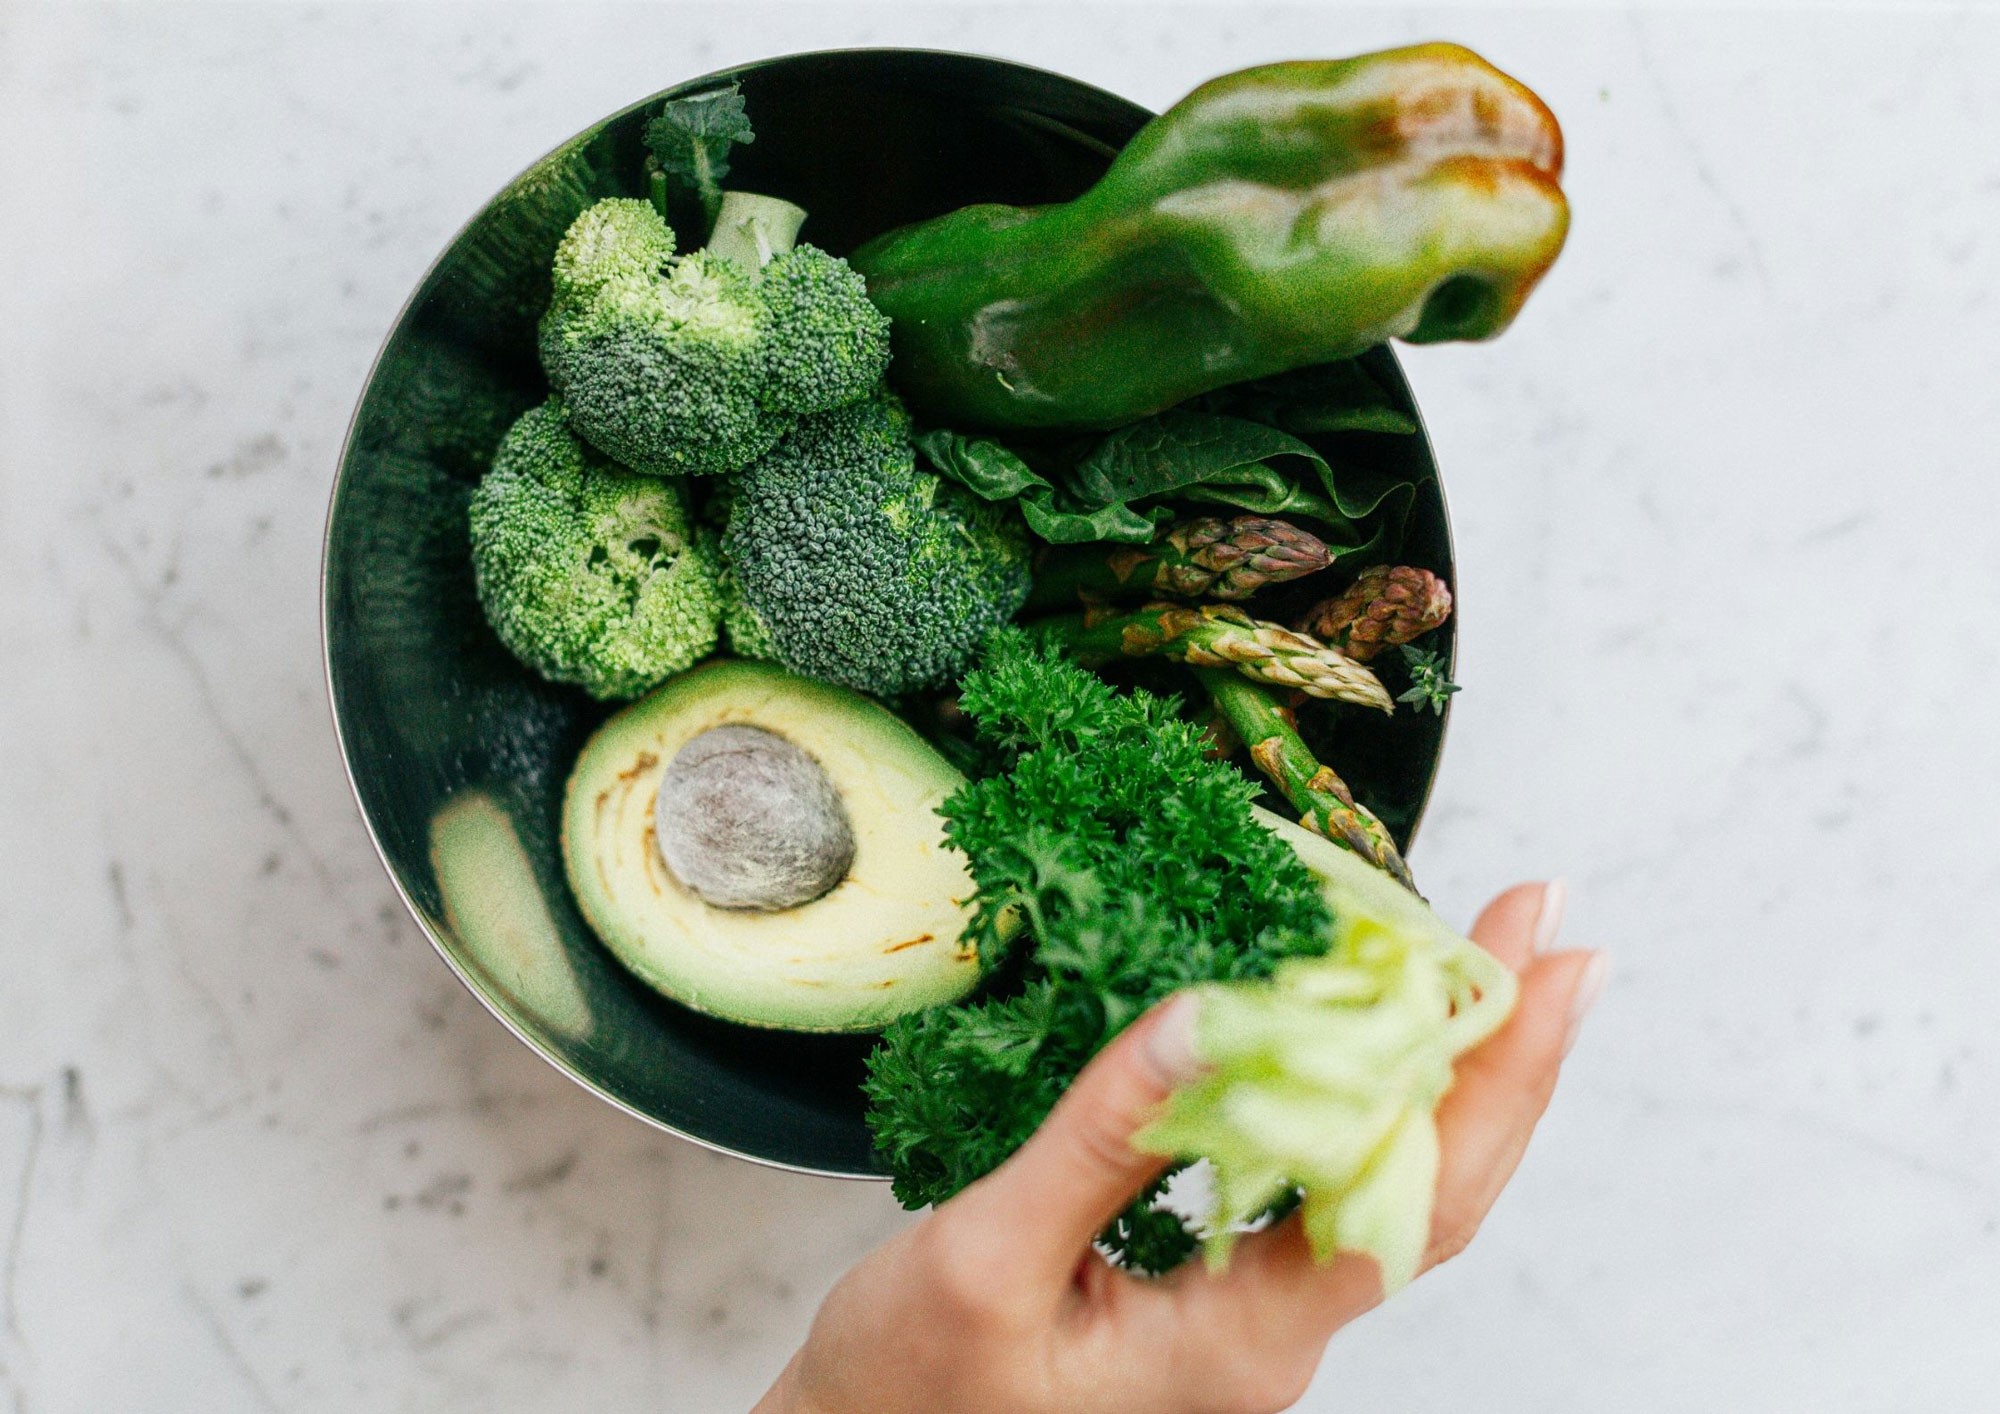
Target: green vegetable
(1210, 458)
(1275, 218)
(697, 363)
(993, 473)
(1218, 635)
(1233, 461)
(1116, 489)
(1136, 868)
(659, 360)
(768, 850)
(690, 140)
(589, 573)
(1385, 607)
(855, 567)
(701, 363)
(1208, 556)
(1325, 805)
(1327, 1077)
(497, 908)
(742, 630)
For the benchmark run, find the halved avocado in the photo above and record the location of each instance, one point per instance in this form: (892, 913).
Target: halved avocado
(750, 819)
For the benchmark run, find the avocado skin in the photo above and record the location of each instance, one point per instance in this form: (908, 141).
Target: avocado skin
(883, 942)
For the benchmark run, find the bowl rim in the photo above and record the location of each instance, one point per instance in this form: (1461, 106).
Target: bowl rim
(472, 982)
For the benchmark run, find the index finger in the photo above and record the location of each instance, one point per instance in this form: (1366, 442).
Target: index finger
(1037, 1214)
(1500, 1092)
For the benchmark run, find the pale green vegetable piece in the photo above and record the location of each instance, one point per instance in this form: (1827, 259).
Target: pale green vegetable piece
(1327, 1077)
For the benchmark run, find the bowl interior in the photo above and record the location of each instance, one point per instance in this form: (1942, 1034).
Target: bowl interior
(458, 754)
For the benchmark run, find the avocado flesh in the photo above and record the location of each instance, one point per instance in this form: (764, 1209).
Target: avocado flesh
(494, 905)
(882, 942)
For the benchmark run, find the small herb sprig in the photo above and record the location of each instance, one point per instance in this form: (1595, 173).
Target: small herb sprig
(1430, 680)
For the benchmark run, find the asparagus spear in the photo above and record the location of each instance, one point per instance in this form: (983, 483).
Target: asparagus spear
(1384, 608)
(1325, 805)
(1221, 559)
(1220, 635)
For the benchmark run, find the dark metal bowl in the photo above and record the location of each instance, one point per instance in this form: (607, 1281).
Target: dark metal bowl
(458, 754)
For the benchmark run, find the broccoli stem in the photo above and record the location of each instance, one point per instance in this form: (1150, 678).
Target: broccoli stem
(752, 230)
(1325, 805)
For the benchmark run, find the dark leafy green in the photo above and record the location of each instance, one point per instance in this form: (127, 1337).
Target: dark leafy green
(993, 473)
(691, 137)
(1119, 489)
(1328, 397)
(1208, 457)
(1205, 456)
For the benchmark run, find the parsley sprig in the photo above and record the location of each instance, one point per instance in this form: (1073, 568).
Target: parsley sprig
(1137, 868)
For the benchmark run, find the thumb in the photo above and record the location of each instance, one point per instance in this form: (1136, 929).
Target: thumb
(1047, 1202)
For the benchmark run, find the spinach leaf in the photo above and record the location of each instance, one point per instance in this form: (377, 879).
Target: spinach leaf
(1113, 492)
(993, 473)
(1204, 456)
(1119, 522)
(1168, 453)
(985, 468)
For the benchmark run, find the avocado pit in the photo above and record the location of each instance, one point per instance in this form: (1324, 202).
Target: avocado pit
(781, 789)
(746, 819)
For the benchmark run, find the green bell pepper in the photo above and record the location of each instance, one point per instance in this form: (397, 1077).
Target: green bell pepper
(1278, 217)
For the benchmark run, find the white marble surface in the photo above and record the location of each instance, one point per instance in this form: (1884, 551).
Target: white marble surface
(1728, 506)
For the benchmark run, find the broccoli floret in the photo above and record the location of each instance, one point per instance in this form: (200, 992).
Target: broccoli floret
(742, 631)
(828, 345)
(747, 636)
(589, 573)
(699, 364)
(659, 360)
(853, 566)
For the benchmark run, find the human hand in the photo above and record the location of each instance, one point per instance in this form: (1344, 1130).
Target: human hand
(997, 1300)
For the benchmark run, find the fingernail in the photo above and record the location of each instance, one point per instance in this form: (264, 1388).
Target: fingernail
(1170, 1042)
(1549, 922)
(1588, 987)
